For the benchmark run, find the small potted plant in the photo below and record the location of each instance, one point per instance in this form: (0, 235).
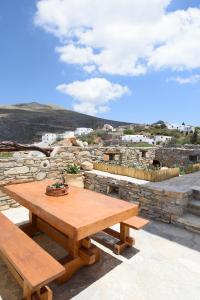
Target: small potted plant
(73, 176)
(57, 189)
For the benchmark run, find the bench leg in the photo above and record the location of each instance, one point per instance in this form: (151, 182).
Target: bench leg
(27, 292)
(125, 240)
(30, 228)
(44, 293)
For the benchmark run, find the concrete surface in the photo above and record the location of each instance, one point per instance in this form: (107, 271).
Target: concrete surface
(165, 264)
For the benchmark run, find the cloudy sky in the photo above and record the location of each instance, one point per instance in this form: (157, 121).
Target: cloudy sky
(130, 60)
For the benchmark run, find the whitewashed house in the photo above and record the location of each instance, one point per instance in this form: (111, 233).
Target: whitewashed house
(163, 139)
(146, 139)
(49, 138)
(182, 128)
(83, 131)
(137, 139)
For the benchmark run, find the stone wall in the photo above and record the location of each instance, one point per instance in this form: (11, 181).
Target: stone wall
(181, 156)
(154, 203)
(28, 169)
(127, 156)
(38, 168)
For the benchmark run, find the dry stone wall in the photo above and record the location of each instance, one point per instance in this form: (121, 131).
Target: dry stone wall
(38, 168)
(154, 203)
(171, 157)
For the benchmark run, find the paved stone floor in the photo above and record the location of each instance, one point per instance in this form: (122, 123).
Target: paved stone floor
(164, 265)
(178, 184)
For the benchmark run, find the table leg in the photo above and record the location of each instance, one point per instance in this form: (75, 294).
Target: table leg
(85, 254)
(80, 253)
(30, 228)
(125, 240)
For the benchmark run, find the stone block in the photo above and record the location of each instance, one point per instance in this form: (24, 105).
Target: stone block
(17, 170)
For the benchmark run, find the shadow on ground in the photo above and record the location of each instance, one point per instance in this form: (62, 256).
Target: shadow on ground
(10, 290)
(108, 241)
(175, 234)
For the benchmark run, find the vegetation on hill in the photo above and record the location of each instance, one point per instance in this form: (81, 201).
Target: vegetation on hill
(25, 123)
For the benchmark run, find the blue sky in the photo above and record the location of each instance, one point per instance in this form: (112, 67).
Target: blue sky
(31, 69)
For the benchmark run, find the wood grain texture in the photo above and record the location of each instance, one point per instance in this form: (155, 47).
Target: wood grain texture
(32, 263)
(135, 222)
(79, 214)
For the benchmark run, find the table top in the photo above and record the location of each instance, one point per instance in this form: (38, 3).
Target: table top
(79, 214)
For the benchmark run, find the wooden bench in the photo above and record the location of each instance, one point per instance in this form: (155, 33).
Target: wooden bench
(124, 236)
(30, 265)
(135, 222)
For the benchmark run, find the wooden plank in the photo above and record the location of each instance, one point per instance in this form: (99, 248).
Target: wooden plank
(112, 233)
(32, 263)
(150, 175)
(70, 214)
(15, 274)
(135, 222)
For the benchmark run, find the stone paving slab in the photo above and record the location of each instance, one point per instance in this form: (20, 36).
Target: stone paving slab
(178, 184)
(165, 264)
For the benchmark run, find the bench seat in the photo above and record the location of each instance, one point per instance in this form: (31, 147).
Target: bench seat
(135, 222)
(34, 266)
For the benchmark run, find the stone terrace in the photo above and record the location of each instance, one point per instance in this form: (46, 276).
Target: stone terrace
(165, 264)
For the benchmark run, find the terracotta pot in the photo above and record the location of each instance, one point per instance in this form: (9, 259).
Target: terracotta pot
(76, 180)
(52, 191)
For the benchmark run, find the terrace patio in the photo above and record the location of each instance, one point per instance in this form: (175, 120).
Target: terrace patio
(165, 263)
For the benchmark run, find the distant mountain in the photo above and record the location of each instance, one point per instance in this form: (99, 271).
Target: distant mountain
(25, 122)
(160, 122)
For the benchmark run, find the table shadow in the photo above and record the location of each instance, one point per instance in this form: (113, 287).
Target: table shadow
(109, 241)
(10, 290)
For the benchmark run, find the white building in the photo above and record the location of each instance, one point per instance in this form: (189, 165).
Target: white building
(137, 139)
(146, 139)
(49, 138)
(66, 135)
(163, 139)
(83, 131)
(182, 128)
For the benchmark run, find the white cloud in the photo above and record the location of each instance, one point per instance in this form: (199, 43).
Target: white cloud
(184, 80)
(93, 95)
(122, 37)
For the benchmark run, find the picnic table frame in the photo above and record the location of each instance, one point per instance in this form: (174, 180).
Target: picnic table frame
(72, 219)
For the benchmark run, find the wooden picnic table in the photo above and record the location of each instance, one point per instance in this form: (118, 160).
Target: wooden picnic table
(71, 220)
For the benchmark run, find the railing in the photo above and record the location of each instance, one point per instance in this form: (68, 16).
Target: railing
(150, 175)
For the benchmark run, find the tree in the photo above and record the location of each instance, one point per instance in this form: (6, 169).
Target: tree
(194, 137)
(183, 123)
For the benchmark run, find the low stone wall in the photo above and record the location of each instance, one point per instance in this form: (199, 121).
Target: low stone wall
(38, 168)
(29, 169)
(154, 203)
(171, 157)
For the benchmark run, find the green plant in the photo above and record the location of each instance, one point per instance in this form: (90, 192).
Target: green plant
(129, 132)
(6, 155)
(72, 169)
(58, 185)
(182, 171)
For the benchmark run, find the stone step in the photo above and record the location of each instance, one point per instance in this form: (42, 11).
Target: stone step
(188, 221)
(196, 192)
(194, 207)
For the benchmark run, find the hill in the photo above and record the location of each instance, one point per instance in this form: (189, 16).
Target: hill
(25, 122)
